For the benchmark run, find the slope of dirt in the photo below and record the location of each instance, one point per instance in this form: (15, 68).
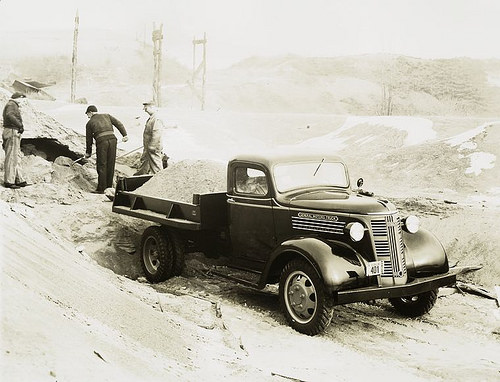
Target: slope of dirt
(65, 318)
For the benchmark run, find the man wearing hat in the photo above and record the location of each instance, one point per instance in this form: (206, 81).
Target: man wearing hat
(11, 142)
(151, 160)
(100, 128)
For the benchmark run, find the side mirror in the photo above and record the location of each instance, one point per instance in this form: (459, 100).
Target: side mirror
(360, 182)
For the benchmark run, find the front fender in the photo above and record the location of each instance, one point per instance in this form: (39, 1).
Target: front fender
(425, 255)
(336, 263)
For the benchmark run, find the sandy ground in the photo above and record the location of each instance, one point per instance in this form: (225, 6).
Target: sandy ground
(75, 306)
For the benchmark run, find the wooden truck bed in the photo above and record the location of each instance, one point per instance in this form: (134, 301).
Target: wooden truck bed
(207, 212)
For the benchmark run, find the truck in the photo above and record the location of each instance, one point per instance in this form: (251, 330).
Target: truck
(295, 220)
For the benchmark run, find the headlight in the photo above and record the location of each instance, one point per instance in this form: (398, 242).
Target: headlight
(411, 224)
(356, 231)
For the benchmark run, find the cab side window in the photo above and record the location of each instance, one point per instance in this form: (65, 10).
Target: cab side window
(250, 181)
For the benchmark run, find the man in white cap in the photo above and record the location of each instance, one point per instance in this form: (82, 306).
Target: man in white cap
(13, 129)
(152, 138)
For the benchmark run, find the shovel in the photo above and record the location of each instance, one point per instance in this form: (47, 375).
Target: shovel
(79, 159)
(130, 152)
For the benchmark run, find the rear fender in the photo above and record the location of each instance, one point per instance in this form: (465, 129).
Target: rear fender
(336, 263)
(425, 255)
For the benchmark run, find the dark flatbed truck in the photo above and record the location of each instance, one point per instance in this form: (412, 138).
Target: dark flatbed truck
(295, 220)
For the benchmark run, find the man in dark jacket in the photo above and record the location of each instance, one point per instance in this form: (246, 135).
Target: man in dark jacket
(13, 129)
(100, 128)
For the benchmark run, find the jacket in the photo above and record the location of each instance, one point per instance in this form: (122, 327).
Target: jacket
(12, 116)
(152, 137)
(100, 127)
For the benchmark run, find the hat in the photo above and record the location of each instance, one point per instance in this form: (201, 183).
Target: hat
(18, 95)
(150, 102)
(92, 109)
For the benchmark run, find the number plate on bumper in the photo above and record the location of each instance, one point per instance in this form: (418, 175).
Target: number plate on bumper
(374, 268)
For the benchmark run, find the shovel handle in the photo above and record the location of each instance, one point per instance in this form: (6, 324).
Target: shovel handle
(130, 152)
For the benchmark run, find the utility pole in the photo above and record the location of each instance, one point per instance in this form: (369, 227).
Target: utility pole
(157, 40)
(202, 67)
(74, 58)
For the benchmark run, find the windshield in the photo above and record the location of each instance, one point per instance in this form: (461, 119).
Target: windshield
(292, 176)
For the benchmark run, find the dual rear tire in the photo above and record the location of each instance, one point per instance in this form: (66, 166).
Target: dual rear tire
(162, 254)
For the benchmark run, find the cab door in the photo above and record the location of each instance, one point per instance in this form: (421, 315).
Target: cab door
(251, 223)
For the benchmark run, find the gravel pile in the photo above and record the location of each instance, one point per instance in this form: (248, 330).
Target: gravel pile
(179, 181)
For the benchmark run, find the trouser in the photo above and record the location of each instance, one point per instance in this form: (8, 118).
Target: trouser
(151, 162)
(11, 139)
(105, 162)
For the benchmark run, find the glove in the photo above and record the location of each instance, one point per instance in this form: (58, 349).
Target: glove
(125, 139)
(21, 130)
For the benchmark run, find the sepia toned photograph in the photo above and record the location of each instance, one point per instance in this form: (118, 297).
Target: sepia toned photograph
(249, 190)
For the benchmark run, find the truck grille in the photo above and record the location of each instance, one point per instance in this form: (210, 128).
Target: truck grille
(388, 239)
(317, 225)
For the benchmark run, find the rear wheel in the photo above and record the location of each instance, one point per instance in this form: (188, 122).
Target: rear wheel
(179, 248)
(303, 298)
(414, 306)
(157, 254)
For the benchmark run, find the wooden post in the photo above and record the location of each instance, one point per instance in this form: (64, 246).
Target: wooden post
(204, 74)
(202, 67)
(74, 58)
(194, 61)
(157, 40)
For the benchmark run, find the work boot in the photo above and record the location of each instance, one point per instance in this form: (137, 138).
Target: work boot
(12, 185)
(22, 184)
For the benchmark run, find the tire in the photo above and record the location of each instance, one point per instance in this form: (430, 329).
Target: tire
(414, 306)
(157, 254)
(179, 247)
(303, 298)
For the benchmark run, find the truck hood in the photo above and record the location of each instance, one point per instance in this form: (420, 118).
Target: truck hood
(340, 202)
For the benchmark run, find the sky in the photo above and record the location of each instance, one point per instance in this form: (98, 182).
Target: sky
(237, 29)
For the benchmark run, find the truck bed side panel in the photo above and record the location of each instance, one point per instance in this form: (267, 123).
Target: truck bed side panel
(209, 212)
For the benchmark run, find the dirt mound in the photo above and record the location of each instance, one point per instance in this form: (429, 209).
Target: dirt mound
(451, 222)
(59, 182)
(183, 179)
(39, 125)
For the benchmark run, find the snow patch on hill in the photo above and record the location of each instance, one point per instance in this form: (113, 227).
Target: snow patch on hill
(464, 139)
(479, 160)
(418, 130)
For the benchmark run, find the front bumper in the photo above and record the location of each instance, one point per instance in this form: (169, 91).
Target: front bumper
(416, 286)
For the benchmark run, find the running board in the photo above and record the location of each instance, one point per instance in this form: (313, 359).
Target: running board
(239, 279)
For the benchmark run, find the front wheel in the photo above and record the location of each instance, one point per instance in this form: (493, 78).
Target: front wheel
(414, 306)
(303, 298)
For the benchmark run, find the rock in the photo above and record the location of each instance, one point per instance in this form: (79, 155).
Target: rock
(110, 193)
(63, 161)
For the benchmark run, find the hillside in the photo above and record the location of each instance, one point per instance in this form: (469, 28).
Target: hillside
(366, 85)
(117, 69)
